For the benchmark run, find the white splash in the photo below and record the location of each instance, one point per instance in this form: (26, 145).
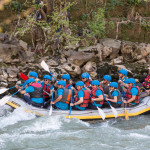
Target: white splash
(139, 136)
(14, 117)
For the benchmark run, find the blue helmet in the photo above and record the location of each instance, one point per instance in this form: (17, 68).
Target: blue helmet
(61, 82)
(95, 82)
(85, 75)
(132, 80)
(33, 74)
(47, 77)
(80, 83)
(66, 76)
(30, 80)
(107, 77)
(114, 84)
(123, 71)
(127, 81)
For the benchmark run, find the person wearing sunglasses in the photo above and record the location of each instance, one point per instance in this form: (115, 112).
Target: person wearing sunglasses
(82, 97)
(48, 88)
(122, 81)
(132, 94)
(66, 78)
(105, 83)
(62, 96)
(114, 95)
(97, 95)
(86, 80)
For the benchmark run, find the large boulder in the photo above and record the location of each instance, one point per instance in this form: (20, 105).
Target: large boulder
(89, 67)
(111, 48)
(72, 69)
(11, 53)
(81, 58)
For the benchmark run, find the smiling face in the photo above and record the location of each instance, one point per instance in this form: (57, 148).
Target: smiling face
(46, 81)
(94, 86)
(84, 79)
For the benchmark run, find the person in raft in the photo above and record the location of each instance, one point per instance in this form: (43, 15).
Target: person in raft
(122, 81)
(146, 84)
(62, 96)
(66, 78)
(47, 89)
(33, 74)
(132, 94)
(105, 83)
(35, 91)
(86, 80)
(97, 95)
(114, 95)
(82, 97)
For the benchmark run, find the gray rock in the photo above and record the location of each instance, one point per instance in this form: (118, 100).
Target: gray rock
(72, 69)
(11, 53)
(23, 44)
(80, 58)
(5, 75)
(52, 62)
(89, 67)
(118, 60)
(111, 48)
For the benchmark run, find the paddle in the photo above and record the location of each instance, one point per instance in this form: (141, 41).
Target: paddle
(3, 89)
(70, 106)
(46, 68)
(100, 111)
(5, 99)
(23, 76)
(113, 109)
(126, 113)
(50, 111)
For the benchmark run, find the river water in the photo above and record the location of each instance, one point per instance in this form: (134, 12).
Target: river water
(23, 131)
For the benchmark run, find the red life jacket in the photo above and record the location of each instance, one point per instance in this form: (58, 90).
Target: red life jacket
(94, 96)
(68, 85)
(86, 98)
(47, 89)
(146, 82)
(128, 95)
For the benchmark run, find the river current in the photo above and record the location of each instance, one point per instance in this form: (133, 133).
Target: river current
(23, 131)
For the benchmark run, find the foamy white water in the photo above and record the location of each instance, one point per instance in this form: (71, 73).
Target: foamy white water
(20, 130)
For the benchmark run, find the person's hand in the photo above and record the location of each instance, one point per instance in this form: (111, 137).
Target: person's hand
(119, 81)
(71, 104)
(53, 90)
(16, 86)
(147, 91)
(52, 103)
(93, 99)
(72, 88)
(124, 101)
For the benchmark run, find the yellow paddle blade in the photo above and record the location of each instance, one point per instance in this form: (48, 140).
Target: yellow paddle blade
(126, 114)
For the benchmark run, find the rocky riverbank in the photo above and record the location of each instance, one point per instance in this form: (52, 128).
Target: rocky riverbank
(106, 57)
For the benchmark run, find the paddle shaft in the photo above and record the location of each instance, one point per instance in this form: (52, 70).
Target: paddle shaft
(14, 86)
(70, 106)
(94, 101)
(52, 76)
